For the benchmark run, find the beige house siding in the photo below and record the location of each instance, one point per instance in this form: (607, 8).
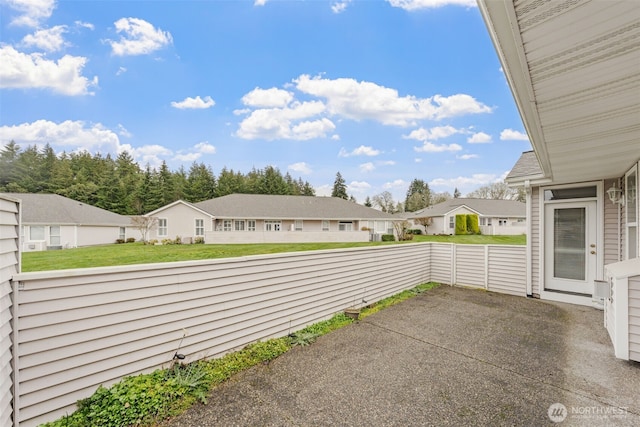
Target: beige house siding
(471, 265)
(535, 241)
(9, 265)
(181, 221)
(507, 272)
(634, 318)
(612, 240)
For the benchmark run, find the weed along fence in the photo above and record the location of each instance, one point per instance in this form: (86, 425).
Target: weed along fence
(77, 329)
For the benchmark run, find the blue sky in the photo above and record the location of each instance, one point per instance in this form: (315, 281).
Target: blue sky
(381, 91)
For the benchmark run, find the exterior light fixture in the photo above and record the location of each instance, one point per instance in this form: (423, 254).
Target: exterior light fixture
(615, 195)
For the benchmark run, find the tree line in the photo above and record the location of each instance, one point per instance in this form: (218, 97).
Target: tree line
(120, 185)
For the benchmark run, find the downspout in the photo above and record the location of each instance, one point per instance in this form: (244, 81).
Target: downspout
(528, 251)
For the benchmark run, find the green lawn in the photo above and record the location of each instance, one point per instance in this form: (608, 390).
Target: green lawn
(137, 253)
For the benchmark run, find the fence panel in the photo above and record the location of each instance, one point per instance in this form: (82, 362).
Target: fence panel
(441, 261)
(507, 270)
(471, 265)
(83, 328)
(9, 265)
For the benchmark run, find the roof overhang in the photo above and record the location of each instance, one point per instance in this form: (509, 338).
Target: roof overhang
(574, 70)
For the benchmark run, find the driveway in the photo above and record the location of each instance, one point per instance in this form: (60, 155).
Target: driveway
(448, 357)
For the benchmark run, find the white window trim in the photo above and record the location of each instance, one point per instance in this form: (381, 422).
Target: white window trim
(196, 227)
(237, 222)
(160, 228)
(227, 225)
(628, 205)
(326, 225)
(251, 225)
(273, 225)
(301, 223)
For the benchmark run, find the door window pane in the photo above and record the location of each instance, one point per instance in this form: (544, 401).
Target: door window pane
(630, 196)
(569, 245)
(570, 193)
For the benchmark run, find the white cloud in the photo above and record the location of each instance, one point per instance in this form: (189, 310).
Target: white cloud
(260, 2)
(358, 186)
(340, 6)
(479, 138)
(360, 151)
(467, 156)
(324, 190)
(205, 148)
(49, 39)
(267, 98)
(513, 135)
(186, 157)
(150, 154)
(138, 37)
(121, 71)
(412, 5)
(286, 123)
(84, 25)
(365, 100)
(122, 131)
(367, 167)
(335, 137)
(32, 12)
(417, 160)
(387, 163)
(196, 103)
(21, 70)
(74, 134)
(433, 134)
(430, 147)
(300, 167)
(398, 183)
(460, 182)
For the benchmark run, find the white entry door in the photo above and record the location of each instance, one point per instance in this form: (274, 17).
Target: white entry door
(570, 247)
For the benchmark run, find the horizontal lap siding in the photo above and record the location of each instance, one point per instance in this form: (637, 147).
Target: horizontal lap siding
(470, 265)
(86, 329)
(611, 231)
(507, 270)
(9, 217)
(441, 262)
(634, 318)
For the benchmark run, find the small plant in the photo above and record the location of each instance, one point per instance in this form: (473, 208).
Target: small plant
(388, 238)
(178, 240)
(153, 242)
(198, 240)
(167, 242)
(119, 241)
(303, 338)
(131, 240)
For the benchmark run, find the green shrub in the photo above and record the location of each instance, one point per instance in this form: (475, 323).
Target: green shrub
(388, 238)
(178, 240)
(131, 240)
(414, 231)
(461, 224)
(118, 241)
(472, 224)
(198, 240)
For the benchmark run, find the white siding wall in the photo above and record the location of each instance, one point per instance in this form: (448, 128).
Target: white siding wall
(535, 240)
(634, 318)
(611, 227)
(221, 237)
(181, 221)
(441, 262)
(9, 265)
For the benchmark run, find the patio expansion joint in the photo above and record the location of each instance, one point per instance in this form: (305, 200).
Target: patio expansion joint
(502, 368)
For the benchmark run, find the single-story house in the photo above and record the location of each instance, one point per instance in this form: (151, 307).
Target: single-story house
(495, 217)
(574, 70)
(51, 221)
(260, 218)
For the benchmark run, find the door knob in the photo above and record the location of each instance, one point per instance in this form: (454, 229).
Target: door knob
(593, 245)
(593, 252)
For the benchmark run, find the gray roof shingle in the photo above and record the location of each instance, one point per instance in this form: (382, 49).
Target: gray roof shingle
(59, 210)
(485, 207)
(527, 165)
(262, 206)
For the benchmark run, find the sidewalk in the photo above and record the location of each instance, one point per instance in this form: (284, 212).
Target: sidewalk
(448, 357)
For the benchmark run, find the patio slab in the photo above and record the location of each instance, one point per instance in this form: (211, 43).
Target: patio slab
(450, 356)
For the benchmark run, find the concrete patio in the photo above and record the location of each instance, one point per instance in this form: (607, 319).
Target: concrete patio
(450, 356)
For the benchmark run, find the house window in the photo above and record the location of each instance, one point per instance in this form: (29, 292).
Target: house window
(298, 225)
(451, 224)
(483, 221)
(631, 212)
(251, 225)
(272, 226)
(325, 225)
(199, 227)
(502, 222)
(489, 222)
(345, 226)
(226, 225)
(54, 235)
(381, 227)
(162, 227)
(238, 225)
(36, 232)
(121, 234)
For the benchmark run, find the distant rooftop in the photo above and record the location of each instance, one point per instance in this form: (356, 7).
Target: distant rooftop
(484, 207)
(527, 165)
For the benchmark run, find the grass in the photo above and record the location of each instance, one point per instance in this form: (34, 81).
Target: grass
(137, 253)
(148, 399)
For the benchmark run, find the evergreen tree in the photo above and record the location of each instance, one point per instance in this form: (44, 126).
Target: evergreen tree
(367, 202)
(339, 187)
(418, 196)
(201, 183)
(456, 193)
(8, 158)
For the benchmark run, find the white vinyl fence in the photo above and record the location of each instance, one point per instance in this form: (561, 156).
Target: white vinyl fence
(9, 265)
(78, 329)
